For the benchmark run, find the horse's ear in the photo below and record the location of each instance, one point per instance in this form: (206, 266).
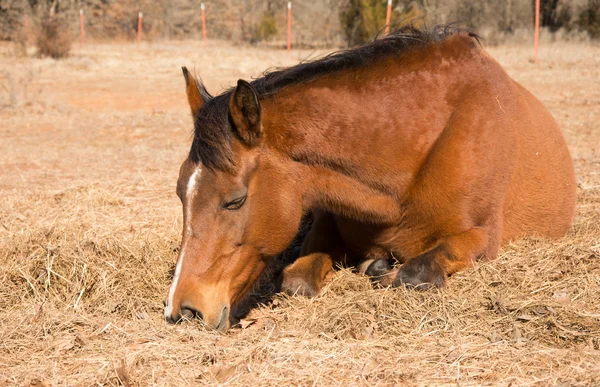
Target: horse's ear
(196, 93)
(245, 112)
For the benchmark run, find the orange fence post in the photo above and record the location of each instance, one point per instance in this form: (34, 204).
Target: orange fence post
(203, 24)
(139, 34)
(81, 27)
(289, 29)
(537, 30)
(388, 17)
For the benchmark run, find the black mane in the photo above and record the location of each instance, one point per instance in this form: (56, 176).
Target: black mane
(213, 131)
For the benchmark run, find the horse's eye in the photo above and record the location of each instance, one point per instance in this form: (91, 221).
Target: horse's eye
(235, 204)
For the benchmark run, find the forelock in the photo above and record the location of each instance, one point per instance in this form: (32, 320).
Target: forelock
(213, 135)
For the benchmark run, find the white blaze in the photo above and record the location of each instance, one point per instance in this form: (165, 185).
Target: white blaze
(190, 193)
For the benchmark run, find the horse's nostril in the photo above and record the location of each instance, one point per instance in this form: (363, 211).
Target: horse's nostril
(190, 313)
(187, 313)
(171, 319)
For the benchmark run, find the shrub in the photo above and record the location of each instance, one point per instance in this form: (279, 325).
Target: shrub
(267, 28)
(53, 38)
(589, 19)
(362, 19)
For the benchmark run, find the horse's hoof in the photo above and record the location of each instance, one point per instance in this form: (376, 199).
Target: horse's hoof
(379, 271)
(421, 273)
(378, 268)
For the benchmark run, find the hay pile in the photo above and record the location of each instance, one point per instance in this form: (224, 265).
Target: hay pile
(90, 228)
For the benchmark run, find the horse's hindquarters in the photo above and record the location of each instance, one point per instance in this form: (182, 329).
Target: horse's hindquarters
(542, 193)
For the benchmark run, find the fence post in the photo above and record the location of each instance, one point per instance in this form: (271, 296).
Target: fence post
(388, 17)
(202, 8)
(81, 27)
(289, 26)
(537, 30)
(139, 32)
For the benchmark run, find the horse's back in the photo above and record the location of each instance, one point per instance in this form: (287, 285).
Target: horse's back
(541, 196)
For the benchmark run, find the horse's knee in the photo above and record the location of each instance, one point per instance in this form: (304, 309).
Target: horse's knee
(307, 275)
(299, 286)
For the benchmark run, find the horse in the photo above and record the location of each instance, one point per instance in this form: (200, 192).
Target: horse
(416, 147)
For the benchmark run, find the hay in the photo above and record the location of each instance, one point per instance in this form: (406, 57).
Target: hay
(90, 228)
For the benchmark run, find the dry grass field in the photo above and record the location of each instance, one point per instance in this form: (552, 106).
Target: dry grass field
(90, 224)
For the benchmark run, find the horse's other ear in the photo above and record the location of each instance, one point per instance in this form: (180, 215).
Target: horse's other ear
(196, 93)
(245, 112)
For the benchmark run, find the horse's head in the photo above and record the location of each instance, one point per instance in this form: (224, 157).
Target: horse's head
(240, 207)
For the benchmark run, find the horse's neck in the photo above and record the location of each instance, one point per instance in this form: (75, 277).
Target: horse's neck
(362, 136)
(349, 163)
(364, 142)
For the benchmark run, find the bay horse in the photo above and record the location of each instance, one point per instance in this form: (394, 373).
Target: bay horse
(416, 146)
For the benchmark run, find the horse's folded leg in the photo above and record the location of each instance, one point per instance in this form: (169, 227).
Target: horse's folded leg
(307, 275)
(422, 272)
(451, 255)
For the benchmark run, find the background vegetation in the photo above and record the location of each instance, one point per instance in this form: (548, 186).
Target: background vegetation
(316, 23)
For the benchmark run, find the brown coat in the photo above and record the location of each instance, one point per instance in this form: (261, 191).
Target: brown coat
(430, 154)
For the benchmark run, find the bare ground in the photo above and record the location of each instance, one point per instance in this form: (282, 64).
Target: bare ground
(89, 230)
